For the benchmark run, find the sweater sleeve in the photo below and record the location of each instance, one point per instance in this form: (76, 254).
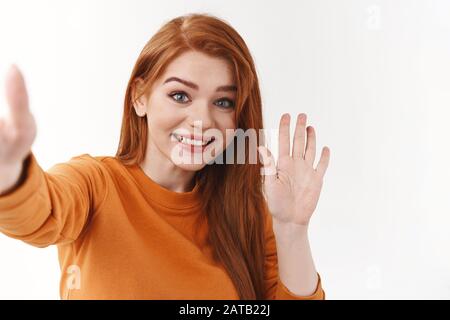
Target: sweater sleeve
(275, 289)
(53, 207)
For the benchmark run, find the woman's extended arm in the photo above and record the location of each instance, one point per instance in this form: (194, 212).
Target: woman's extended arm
(38, 207)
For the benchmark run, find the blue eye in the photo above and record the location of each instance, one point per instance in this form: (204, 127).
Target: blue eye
(229, 104)
(175, 94)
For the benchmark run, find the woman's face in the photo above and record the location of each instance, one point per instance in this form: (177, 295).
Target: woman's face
(189, 110)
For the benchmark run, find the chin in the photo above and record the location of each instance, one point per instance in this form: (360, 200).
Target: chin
(191, 167)
(192, 162)
(186, 159)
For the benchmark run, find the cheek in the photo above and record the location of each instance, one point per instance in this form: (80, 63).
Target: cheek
(227, 122)
(226, 125)
(162, 116)
(162, 124)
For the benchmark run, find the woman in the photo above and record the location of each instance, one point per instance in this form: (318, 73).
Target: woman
(149, 223)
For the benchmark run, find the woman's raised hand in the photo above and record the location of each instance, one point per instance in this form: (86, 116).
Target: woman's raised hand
(293, 184)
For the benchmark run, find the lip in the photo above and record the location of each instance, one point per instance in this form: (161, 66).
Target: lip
(193, 149)
(195, 137)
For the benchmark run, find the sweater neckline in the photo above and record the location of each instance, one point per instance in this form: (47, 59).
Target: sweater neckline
(162, 195)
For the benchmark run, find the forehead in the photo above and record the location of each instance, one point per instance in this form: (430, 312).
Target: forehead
(200, 68)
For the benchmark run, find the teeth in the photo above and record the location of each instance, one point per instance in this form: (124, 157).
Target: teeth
(194, 142)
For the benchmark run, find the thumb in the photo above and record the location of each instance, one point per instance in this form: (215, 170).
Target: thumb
(16, 94)
(269, 169)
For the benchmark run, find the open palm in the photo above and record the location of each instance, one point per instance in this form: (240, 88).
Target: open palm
(292, 186)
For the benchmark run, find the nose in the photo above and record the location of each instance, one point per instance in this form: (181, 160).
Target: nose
(200, 116)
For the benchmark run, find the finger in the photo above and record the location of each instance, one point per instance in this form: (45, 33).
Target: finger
(299, 136)
(323, 162)
(310, 152)
(16, 94)
(283, 137)
(269, 169)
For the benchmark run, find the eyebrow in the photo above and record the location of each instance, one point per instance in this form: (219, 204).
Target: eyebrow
(194, 86)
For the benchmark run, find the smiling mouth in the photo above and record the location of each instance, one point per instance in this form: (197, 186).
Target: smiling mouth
(192, 142)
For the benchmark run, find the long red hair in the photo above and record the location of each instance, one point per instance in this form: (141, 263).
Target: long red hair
(234, 208)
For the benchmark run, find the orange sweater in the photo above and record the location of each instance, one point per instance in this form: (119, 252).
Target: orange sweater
(121, 235)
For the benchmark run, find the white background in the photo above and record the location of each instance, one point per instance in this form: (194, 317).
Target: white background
(373, 77)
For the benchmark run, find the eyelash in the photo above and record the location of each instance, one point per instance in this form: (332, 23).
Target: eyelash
(184, 93)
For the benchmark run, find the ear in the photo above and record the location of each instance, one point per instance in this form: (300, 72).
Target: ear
(139, 98)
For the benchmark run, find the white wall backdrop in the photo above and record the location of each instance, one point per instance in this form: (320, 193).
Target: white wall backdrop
(373, 77)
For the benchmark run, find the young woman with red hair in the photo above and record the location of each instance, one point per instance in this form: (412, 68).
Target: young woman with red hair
(143, 225)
